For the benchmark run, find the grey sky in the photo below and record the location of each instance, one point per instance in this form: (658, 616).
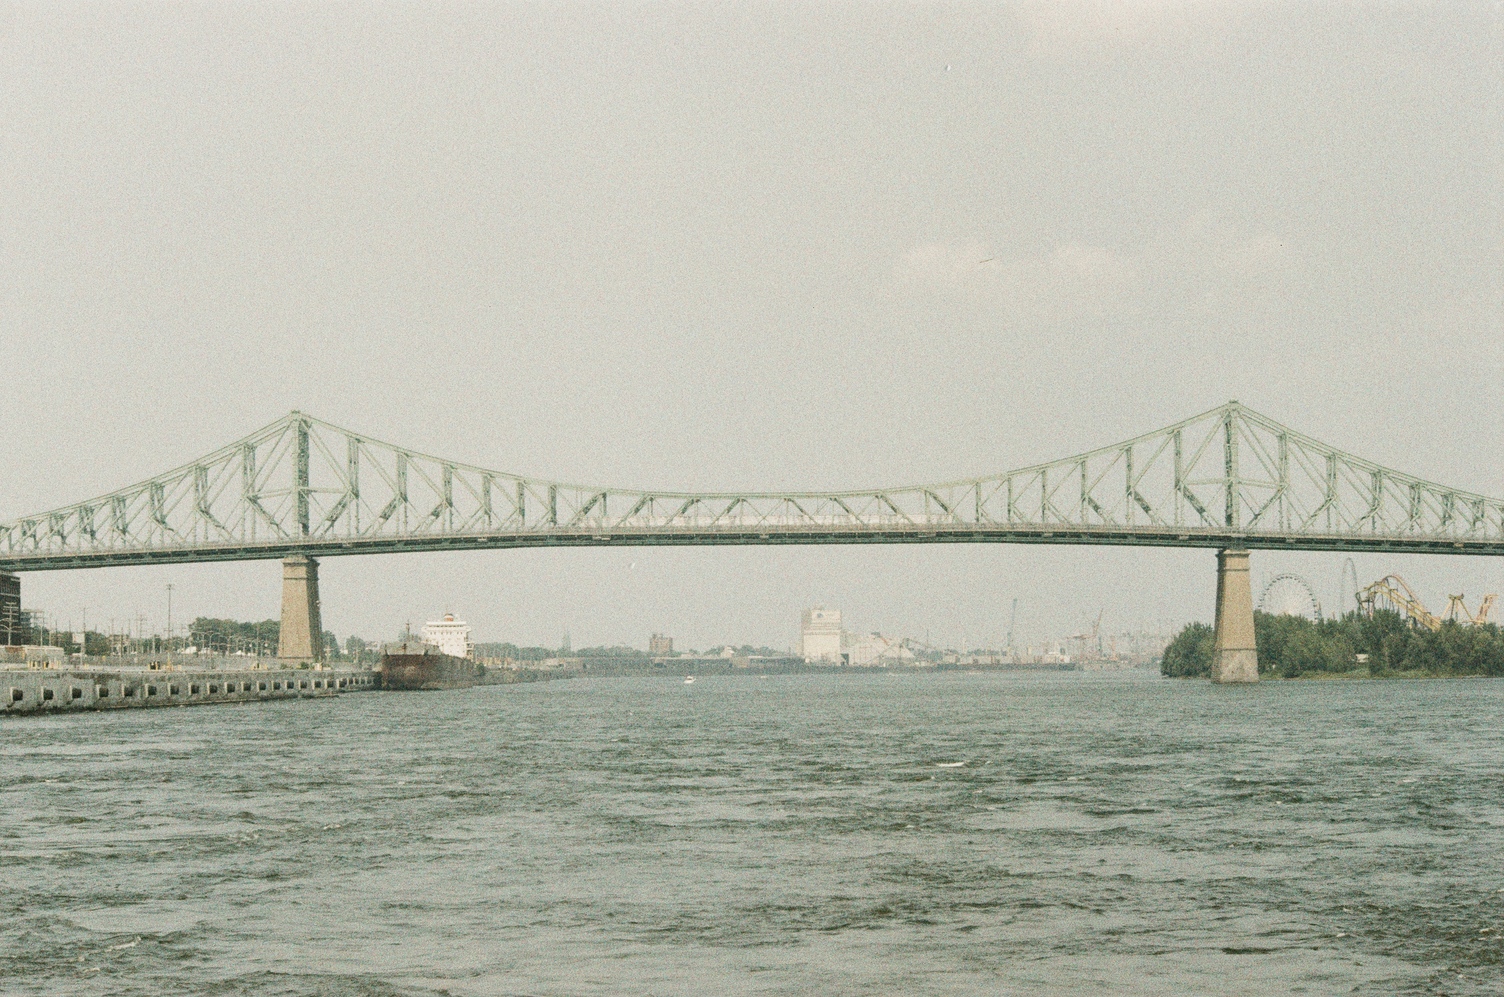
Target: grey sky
(743, 246)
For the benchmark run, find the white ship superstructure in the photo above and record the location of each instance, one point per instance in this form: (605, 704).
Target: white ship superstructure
(450, 636)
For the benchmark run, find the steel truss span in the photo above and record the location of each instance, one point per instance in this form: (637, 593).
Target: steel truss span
(1226, 478)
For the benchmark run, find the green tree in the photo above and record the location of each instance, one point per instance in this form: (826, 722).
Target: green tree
(233, 636)
(1308, 652)
(1189, 655)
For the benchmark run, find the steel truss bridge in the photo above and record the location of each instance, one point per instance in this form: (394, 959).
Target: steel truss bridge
(1228, 478)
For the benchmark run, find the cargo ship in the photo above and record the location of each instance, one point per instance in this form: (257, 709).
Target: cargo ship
(420, 665)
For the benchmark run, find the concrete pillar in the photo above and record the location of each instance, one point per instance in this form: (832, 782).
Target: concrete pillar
(1235, 658)
(302, 637)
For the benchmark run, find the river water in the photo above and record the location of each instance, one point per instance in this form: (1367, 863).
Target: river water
(841, 834)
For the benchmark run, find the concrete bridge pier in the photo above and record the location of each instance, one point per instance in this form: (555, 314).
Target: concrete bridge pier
(1235, 658)
(302, 636)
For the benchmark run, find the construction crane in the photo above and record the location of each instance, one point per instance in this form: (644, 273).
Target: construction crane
(1012, 619)
(1091, 642)
(1393, 590)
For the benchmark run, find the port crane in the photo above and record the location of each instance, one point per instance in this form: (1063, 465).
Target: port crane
(1091, 642)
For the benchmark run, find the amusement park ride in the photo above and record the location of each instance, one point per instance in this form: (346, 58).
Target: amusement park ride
(1391, 592)
(1291, 594)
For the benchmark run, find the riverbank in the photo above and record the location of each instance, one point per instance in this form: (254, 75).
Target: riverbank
(1360, 676)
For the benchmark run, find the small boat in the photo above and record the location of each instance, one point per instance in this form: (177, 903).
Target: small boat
(690, 680)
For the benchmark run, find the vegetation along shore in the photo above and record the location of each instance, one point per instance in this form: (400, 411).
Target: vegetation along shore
(1383, 645)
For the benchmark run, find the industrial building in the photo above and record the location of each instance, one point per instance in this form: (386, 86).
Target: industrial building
(820, 637)
(874, 650)
(661, 646)
(822, 640)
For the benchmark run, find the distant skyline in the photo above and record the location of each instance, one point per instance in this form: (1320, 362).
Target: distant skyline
(744, 247)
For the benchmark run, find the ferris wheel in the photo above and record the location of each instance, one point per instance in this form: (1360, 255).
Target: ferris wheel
(1289, 595)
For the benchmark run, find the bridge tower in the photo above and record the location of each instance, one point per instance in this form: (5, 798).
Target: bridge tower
(302, 632)
(1235, 657)
(302, 636)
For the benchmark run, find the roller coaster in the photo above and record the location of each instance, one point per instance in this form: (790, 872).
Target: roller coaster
(1392, 592)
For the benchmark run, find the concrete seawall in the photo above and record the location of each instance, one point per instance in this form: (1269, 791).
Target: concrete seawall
(47, 690)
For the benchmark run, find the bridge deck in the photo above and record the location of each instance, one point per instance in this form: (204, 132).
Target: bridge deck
(670, 537)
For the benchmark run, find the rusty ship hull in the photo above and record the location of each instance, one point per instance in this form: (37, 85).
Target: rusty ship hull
(428, 669)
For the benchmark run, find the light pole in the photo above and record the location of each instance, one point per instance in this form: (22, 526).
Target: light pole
(169, 617)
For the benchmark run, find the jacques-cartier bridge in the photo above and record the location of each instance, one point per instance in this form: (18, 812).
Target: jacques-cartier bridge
(299, 489)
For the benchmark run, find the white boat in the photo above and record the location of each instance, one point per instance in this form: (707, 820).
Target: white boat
(690, 680)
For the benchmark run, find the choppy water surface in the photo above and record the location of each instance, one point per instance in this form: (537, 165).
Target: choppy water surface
(844, 834)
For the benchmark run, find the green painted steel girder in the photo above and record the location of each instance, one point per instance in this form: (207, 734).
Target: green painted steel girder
(1228, 477)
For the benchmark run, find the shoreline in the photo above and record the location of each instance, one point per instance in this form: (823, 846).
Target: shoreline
(1352, 676)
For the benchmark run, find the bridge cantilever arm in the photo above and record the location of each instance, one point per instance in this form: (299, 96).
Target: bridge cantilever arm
(283, 470)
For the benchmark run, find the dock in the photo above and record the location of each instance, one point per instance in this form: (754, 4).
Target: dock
(70, 687)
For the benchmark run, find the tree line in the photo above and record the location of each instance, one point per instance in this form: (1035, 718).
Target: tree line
(235, 636)
(1382, 645)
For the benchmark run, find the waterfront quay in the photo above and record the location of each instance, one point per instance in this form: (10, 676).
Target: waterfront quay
(71, 685)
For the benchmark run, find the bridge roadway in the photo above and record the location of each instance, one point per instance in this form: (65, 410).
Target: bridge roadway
(1228, 479)
(763, 534)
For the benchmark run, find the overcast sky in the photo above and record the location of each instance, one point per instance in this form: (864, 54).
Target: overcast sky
(741, 246)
